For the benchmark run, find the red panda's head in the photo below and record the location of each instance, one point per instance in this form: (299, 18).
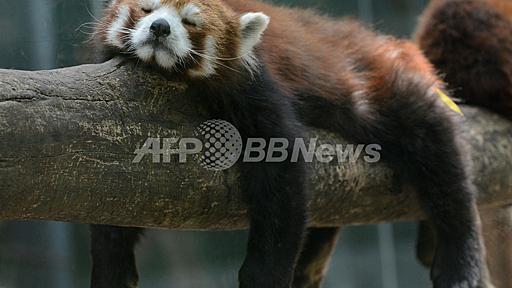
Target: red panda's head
(199, 36)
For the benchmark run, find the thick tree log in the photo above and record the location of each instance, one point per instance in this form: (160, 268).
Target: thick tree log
(68, 136)
(497, 232)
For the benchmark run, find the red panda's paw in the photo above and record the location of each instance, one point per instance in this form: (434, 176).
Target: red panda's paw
(259, 276)
(456, 281)
(457, 266)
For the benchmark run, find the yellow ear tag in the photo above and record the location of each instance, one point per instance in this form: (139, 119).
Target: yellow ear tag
(448, 101)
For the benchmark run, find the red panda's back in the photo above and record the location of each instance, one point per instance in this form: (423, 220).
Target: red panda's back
(327, 57)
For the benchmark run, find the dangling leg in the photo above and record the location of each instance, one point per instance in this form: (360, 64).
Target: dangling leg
(275, 191)
(426, 247)
(315, 257)
(426, 243)
(113, 258)
(277, 223)
(433, 163)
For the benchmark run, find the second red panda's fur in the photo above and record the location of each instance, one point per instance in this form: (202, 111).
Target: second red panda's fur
(470, 43)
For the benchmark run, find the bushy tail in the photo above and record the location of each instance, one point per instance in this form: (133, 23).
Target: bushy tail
(470, 44)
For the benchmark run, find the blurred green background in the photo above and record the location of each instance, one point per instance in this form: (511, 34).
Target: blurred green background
(45, 34)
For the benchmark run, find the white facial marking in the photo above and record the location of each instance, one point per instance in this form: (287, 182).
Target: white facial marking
(166, 50)
(116, 30)
(192, 14)
(207, 64)
(145, 53)
(150, 5)
(178, 39)
(165, 59)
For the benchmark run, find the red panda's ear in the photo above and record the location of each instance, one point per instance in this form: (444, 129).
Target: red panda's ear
(252, 26)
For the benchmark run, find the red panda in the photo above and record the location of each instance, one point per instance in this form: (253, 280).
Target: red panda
(470, 43)
(270, 70)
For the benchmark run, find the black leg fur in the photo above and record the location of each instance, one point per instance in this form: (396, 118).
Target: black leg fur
(418, 141)
(277, 223)
(426, 243)
(275, 192)
(437, 172)
(277, 209)
(113, 259)
(315, 257)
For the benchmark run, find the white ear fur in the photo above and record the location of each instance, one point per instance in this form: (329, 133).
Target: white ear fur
(252, 26)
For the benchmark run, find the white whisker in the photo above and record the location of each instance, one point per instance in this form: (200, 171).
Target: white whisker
(220, 58)
(91, 14)
(216, 62)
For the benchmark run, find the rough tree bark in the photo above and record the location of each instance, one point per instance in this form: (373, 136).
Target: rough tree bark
(68, 136)
(497, 232)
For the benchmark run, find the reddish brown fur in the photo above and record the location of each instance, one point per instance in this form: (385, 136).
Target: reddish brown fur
(309, 52)
(470, 42)
(306, 51)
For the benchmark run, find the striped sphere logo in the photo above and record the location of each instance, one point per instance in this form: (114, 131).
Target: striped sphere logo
(222, 145)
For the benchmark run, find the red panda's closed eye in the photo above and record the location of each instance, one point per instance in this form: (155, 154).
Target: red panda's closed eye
(188, 22)
(191, 15)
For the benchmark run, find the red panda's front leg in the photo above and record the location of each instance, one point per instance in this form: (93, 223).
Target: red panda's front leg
(275, 191)
(277, 222)
(315, 257)
(113, 256)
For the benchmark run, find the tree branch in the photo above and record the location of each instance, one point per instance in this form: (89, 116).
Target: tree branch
(67, 139)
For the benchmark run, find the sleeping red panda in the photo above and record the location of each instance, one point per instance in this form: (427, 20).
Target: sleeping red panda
(306, 70)
(470, 42)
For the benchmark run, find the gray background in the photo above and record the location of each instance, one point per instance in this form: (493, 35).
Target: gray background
(45, 34)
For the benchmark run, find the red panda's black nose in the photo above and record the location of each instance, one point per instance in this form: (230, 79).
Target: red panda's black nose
(160, 28)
